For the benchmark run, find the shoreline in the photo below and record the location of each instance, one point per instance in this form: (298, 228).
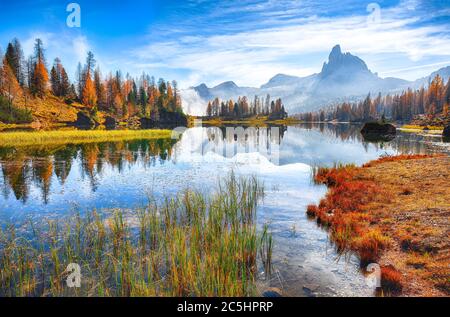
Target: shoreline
(393, 211)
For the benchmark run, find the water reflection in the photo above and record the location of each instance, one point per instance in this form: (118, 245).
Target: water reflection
(25, 170)
(41, 182)
(35, 166)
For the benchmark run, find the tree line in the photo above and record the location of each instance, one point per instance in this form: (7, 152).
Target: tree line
(432, 101)
(118, 95)
(243, 108)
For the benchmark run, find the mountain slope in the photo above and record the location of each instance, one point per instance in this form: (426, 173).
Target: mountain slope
(343, 77)
(443, 72)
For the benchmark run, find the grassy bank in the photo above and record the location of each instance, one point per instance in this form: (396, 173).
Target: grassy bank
(190, 245)
(425, 129)
(393, 211)
(77, 136)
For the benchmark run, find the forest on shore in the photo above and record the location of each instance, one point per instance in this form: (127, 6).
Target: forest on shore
(244, 109)
(32, 91)
(428, 105)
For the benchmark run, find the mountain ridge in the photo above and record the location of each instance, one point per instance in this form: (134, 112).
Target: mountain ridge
(343, 77)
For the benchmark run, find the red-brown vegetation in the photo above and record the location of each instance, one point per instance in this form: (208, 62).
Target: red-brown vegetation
(382, 210)
(391, 280)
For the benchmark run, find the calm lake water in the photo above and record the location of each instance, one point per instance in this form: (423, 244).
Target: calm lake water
(42, 182)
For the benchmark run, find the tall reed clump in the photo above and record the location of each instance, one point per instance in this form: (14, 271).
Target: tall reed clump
(189, 245)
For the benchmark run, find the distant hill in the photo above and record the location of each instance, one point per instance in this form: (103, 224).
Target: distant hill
(343, 77)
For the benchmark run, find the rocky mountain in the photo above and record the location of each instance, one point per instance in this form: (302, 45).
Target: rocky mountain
(443, 72)
(225, 90)
(343, 77)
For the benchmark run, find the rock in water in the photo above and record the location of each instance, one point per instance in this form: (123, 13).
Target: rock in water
(377, 128)
(378, 132)
(272, 292)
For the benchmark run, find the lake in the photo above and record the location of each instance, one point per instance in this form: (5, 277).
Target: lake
(42, 182)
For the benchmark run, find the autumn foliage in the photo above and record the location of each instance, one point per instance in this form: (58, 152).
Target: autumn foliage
(342, 210)
(89, 93)
(27, 84)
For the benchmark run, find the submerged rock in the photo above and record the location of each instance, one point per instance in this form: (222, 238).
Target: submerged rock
(446, 133)
(272, 292)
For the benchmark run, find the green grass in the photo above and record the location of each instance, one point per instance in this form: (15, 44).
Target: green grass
(190, 245)
(12, 114)
(77, 136)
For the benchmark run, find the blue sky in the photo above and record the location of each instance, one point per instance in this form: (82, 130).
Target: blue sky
(247, 41)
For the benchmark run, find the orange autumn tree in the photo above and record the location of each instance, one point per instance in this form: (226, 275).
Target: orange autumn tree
(9, 86)
(89, 92)
(40, 73)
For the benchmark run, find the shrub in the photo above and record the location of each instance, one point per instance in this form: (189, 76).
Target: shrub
(391, 279)
(12, 114)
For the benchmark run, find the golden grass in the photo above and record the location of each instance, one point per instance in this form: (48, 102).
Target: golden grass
(433, 130)
(12, 139)
(419, 127)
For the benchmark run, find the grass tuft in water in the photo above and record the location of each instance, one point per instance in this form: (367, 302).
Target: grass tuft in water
(189, 245)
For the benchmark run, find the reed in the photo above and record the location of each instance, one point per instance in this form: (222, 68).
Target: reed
(14, 139)
(187, 245)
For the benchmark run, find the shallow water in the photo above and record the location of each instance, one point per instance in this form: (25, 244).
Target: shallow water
(39, 182)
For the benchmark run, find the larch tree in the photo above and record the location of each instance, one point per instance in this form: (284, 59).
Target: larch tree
(10, 87)
(14, 57)
(89, 92)
(40, 74)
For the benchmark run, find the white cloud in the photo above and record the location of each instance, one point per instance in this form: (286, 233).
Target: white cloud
(252, 57)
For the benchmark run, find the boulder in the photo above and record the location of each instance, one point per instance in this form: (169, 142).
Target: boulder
(165, 120)
(84, 120)
(172, 118)
(110, 122)
(272, 292)
(147, 123)
(377, 128)
(446, 133)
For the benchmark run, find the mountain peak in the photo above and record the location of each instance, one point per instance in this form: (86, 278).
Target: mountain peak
(335, 52)
(202, 86)
(227, 85)
(346, 62)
